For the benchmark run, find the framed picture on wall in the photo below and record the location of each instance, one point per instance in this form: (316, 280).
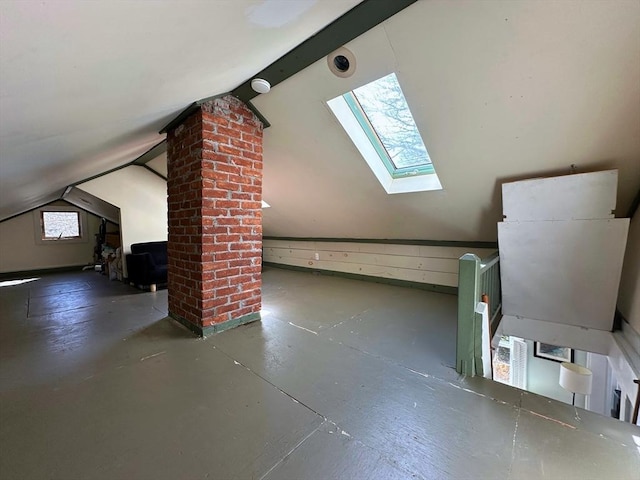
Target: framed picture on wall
(553, 352)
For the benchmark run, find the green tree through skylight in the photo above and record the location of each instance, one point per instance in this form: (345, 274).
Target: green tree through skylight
(386, 108)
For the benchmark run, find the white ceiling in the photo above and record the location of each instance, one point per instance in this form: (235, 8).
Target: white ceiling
(500, 91)
(85, 86)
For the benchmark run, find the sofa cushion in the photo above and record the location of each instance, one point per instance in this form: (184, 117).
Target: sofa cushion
(158, 251)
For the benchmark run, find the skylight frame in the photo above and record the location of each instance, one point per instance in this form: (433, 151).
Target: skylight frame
(356, 124)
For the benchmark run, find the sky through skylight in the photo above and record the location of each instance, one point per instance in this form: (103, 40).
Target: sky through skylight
(386, 108)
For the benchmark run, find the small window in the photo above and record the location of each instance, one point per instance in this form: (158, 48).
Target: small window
(60, 225)
(510, 362)
(378, 120)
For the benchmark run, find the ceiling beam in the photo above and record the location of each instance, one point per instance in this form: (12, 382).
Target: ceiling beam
(360, 19)
(152, 153)
(141, 161)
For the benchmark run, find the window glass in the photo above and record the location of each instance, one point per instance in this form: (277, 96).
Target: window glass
(387, 110)
(60, 225)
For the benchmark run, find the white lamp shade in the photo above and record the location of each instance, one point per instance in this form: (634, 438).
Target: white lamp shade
(575, 378)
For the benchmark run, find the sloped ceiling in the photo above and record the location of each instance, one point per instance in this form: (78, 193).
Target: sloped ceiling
(500, 91)
(85, 86)
(159, 164)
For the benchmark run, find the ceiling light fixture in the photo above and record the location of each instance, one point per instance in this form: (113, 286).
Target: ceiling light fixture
(260, 85)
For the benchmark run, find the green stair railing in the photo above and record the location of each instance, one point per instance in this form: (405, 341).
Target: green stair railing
(478, 280)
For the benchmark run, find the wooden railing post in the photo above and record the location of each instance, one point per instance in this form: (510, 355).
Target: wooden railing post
(490, 286)
(468, 295)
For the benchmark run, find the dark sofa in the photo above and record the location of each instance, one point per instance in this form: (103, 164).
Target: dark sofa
(147, 264)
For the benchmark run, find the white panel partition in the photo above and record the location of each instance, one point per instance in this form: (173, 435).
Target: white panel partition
(561, 252)
(563, 272)
(570, 197)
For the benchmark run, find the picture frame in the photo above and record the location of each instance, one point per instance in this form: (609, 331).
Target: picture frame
(553, 352)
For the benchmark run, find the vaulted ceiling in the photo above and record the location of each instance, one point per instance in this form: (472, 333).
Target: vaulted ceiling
(86, 86)
(500, 91)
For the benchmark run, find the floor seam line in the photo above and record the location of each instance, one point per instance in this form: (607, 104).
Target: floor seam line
(323, 334)
(271, 383)
(84, 307)
(326, 420)
(391, 362)
(288, 454)
(513, 445)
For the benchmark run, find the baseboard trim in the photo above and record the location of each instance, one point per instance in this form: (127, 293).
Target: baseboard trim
(216, 328)
(40, 271)
(368, 278)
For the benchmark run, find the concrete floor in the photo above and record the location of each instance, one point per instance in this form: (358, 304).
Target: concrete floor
(342, 379)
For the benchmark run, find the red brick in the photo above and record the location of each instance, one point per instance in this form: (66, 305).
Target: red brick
(228, 168)
(251, 155)
(228, 308)
(241, 312)
(256, 220)
(252, 138)
(227, 203)
(251, 189)
(214, 302)
(227, 272)
(224, 292)
(243, 162)
(230, 150)
(214, 192)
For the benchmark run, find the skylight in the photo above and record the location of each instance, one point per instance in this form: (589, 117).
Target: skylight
(378, 120)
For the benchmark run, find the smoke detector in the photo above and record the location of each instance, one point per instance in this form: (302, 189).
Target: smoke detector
(260, 85)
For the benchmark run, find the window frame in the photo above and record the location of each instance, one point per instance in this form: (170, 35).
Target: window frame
(402, 182)
(38, 219)
(361, 116)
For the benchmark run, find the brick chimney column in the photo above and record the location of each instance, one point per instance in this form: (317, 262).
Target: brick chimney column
(214, 163)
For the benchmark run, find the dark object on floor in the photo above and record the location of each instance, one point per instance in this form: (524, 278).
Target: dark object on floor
(147, 264)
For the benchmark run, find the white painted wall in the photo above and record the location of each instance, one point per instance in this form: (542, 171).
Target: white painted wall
(20, 250)
(601, 395)
(625, 367)
(494, 99)
(543, 376)
(629, 294)
(159, 164)
(142, 199)
(415, 263)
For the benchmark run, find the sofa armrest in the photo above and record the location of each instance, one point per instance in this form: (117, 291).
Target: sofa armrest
(140, 267)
